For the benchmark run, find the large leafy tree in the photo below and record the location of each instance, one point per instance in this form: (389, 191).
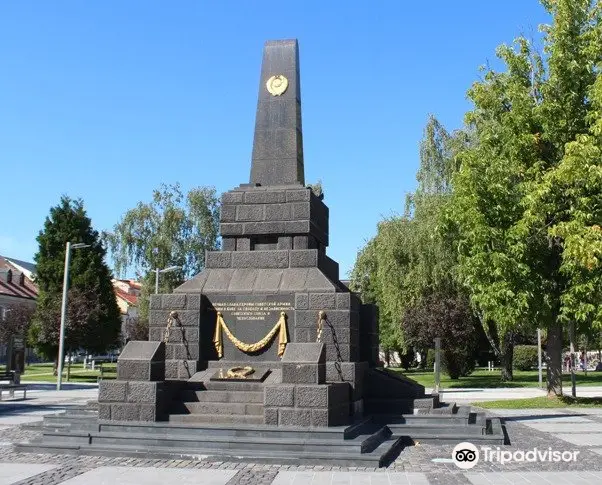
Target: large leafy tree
(526, 199)
(173, 229)
(94, 319)
(410, 259)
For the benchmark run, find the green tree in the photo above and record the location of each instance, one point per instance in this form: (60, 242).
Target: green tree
(410, 258)
(526, 198)
(172, 229)
(94, 320)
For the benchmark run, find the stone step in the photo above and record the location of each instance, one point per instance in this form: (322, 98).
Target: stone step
(212, 418)
(415, 429)
(384, 454)
(218, 408)
(233, 386)
(397, 406)
(221, 396)
(359, 444)
(212, 428)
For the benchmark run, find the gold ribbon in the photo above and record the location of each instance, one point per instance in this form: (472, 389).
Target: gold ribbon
(321, 315)
(279, 328)
(173, 317)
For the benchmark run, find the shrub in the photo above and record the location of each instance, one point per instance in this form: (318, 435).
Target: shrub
(525, 357)
(430, 359)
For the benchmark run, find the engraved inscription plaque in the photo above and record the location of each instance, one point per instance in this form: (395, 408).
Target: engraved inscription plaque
(250, 318)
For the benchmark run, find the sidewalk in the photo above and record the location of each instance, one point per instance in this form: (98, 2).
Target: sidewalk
(571, 430)
(497, 393)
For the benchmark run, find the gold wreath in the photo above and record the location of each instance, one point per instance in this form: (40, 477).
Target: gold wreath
(240, 372)
(277, 85)
(279, 328)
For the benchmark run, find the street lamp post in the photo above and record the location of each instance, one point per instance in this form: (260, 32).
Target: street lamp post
(59, 380)
(165, 270)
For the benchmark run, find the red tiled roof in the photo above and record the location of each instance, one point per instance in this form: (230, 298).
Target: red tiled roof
(131, 299)
(27, 290)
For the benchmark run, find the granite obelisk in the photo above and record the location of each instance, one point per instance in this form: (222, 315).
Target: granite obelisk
(278, 141)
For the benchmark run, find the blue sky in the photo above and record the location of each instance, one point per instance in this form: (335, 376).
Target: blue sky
(106, 100)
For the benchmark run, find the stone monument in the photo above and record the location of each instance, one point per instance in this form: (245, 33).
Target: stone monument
(265, 355)
(269, 309)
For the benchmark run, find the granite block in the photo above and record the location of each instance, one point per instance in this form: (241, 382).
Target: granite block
(301, 301)
(310, 353)
(278, 212)
(296, 227)
(232, 198)
(171, 369)
(337, 318)
(112, 391)
(312, 396)
(270, 416)
(142, 392)
(343, 301)
(322, 301)
(228, 244)
(304, 258)
(174, 301)
(298, 195)
(104, 411)
(306, 319)
(155, 302)
(285, 242)
(318, 283)
(305, 335)
(260, 259)
(188, 318)
(294, 280)
(300, 210)
(227, 213)
(243, 244)
(243, 280)
(218, 280)
(265, 197)
(231, 229)
(125, 412)
(251, 212)
(193, 302)
(279, 395)
(142, 350)
(300, 242)
(260, 228)
(218, 259)
(320, 418)
(303, 373)
(183, 352)
(148, 412)
(294, 417)
(158, 318)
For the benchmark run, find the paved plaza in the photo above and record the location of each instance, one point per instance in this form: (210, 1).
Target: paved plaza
(568, 430)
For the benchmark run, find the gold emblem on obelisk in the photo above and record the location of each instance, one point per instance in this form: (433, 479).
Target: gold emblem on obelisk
(277, 85)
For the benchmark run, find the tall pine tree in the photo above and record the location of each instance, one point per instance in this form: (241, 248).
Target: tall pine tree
(94, 320)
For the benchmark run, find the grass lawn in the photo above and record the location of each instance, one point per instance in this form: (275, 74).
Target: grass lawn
(482, 378)
(44, 373)
(542, 402)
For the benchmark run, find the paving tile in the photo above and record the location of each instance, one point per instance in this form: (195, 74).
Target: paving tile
(554, 427)
(535, 478)
(581, 439)
(15, 472)
(117, 475)
(349, 478)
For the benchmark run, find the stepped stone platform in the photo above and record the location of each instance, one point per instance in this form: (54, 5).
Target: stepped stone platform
(373, 441)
